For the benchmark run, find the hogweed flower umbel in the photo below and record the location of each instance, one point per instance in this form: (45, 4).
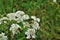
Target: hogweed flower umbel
(30, 23)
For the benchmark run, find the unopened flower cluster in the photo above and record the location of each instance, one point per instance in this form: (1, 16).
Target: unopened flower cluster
(31, 23)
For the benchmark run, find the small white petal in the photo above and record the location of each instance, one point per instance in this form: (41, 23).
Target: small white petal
(5, 21)
(33, 17)
(28, 37)
(33, 36)
(38, 20)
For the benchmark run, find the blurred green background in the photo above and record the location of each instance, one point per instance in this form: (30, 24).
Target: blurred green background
(47, 10)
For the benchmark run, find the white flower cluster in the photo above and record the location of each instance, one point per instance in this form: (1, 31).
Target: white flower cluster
(34, 26)
(18, 16)
(3, 37)
(35, 19)
(31, 23)
(14, 28)
(30, 33)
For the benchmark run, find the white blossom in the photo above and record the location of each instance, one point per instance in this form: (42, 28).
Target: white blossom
(38, 20)
(30, 33)
(35, 18)
(35, 26)
(18, 18)
(11, 16)
(14, 16)
(14, 28)
(20, 12)
(26, 24)
(3, 37)
(25, 17)
(3, 20)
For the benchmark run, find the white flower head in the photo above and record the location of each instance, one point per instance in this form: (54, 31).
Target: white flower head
(35, 26)
(35, 18)
(11, 16)
(18, 18)
(26, 24)
(25, 17)
(14, 28)
(3, 20)
(38, 19)
(2, 34)
(14, 16)
(20, 12)
(3, 37)
(30, 33)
